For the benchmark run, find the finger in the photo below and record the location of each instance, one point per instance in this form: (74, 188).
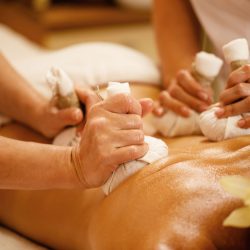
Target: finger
(192, 102)
(191, 86)
(129, 153)
(244, 123)
(128, 137)
(242, 74)
(176, 106)
(88, 97)
(70, 116)
(123, 104)
(235, 93)
(237, 108)
(158, 110)
(147, 105)
(80, 127)
(125, 121)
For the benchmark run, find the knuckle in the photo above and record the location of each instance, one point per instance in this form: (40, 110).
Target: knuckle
(95, 108)
(247, 101)
(98, 123)
(230, 109)
(240, 89)
(137, 122)
(246, 67)
(126, 101)
(139, 136)
(231, 78)
(132, 152)
(173, 90)
(181, 74)
(163, 95)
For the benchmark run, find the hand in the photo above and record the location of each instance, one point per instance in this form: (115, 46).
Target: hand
(50, 120)
(182, 94)
(235, 99)
(112, 135)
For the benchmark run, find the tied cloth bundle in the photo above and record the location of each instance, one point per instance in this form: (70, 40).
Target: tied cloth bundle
(63, 89)
(64, 96)
(157, 149)
(236, 54)
(205, 69)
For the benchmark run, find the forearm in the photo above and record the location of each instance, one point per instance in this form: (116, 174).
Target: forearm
(26, 165)
(18, 99)
(177, 35)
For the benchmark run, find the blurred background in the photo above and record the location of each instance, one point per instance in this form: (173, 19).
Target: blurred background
(55, 24)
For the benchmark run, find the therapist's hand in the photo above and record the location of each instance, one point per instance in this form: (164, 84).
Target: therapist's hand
(51, 120)
(112, 135)
(182, 94)
(235, 99)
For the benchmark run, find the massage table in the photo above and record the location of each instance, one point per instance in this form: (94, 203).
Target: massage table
(174, 203)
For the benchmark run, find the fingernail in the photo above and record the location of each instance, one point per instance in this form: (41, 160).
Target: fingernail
(241, 123)
(203, 108)
(203, 96)
(77, 114)
(185, 111)
(220, 112)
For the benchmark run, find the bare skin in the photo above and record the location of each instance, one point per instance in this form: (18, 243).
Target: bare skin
(177, 34)
(176, 203)
(235, 99)
(114, 125)
(33, 109)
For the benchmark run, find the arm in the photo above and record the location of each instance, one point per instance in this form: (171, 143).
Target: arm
(112, 135)
(177, 33)
(22, 103)
(23, 165)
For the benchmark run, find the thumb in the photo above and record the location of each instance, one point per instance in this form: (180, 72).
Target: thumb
(88, 97)
(70, 116)
(147, 105)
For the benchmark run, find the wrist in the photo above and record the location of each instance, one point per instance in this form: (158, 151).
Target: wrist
(76, 168)
(35, 113)
(170, 73)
